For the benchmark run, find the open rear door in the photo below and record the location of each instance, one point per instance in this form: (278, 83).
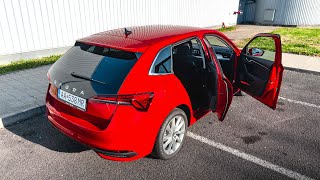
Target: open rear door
(259, 68)
(223, 88)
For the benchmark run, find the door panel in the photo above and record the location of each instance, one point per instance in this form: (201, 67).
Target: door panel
(225, 56)
(259, 68)
(255, 74)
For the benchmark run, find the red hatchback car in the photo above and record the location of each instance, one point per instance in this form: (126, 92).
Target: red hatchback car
(130, 92)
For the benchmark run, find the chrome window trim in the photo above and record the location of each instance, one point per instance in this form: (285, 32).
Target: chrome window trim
(183, 41)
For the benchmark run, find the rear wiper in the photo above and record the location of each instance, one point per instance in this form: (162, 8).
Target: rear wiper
(85, 77)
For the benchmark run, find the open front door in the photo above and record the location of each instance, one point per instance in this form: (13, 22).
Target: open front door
(259, 69)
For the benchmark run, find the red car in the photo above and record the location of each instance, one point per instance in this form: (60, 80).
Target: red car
(130, 92)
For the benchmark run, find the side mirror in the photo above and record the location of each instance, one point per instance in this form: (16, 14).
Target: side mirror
(255, 52)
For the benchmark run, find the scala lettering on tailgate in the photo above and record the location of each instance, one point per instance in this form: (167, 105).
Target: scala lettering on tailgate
(72, 99)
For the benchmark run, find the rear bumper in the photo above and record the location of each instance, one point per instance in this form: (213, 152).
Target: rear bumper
(130, 135)
(108, 144)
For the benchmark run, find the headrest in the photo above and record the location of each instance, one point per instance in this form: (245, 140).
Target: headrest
(183, 49)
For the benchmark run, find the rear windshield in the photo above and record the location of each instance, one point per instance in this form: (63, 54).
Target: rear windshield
(107, 65)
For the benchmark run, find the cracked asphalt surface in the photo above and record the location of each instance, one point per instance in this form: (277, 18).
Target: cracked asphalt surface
(288, 137)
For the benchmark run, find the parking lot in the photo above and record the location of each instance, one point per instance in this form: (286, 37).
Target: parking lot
(253, 142)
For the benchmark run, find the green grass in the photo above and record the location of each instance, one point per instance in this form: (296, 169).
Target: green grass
(303, 41)
(27, 64)
(230, 28)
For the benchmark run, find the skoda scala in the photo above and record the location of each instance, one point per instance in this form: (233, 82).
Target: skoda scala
(131, 92)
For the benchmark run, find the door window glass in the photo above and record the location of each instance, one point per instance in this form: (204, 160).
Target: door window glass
(222, 51)
(163, 62)
(262, 47)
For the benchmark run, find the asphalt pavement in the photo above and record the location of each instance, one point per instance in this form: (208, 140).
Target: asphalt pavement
(237, 148)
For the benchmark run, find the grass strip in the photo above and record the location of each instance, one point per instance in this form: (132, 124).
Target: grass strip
(302, 41)
(230, 28)
(27, 64)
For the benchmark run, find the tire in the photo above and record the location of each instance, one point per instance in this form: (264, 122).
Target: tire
(169, 137)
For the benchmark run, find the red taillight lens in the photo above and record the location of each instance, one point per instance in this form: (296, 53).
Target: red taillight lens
(139, 101)
(142, 101)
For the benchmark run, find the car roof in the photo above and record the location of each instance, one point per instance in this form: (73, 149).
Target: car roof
(140, 38)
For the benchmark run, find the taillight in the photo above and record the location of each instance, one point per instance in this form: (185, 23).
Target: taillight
(140, 101)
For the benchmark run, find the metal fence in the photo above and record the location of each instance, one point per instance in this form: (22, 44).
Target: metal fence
(33, 25)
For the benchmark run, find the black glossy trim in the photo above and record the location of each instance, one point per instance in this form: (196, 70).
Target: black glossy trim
(115, 154)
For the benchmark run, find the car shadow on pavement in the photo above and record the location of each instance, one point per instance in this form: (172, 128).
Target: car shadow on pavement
(38, 130)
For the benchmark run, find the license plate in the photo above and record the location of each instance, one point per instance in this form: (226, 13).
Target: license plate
(73, 100)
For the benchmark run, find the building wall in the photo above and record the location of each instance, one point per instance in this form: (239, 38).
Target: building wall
(36, 25)
(249, 12)
(289, 12)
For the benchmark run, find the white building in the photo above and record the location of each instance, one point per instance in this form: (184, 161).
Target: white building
(33, 28)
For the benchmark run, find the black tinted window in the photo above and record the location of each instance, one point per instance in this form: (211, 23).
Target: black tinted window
(110, 52)
(107, 65)
(162, 63)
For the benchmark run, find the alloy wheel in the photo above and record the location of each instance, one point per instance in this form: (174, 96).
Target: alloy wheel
(174, 134)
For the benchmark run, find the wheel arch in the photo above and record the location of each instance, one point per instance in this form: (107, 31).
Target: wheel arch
(186, 109)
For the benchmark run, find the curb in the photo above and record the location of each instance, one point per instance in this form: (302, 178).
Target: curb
(21, 115)
(302, 71)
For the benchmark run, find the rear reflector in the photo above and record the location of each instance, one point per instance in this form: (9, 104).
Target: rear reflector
(53, 90)
(140, 101)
